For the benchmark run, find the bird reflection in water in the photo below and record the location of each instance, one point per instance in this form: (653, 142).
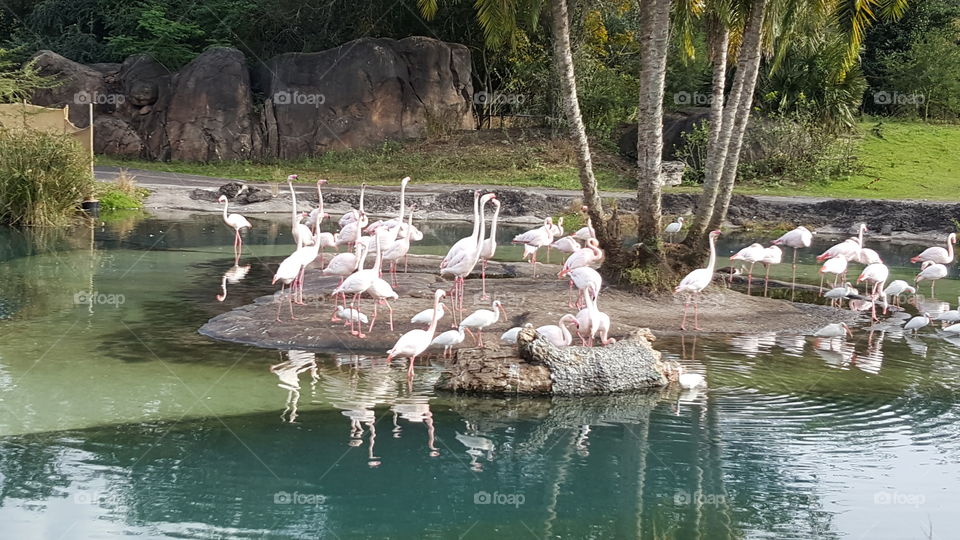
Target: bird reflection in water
(871, 360)
(751, 345)
(691, 381)
(415, 409)
(232, 276)
(289, 374)
(477, 446)
(834, 351)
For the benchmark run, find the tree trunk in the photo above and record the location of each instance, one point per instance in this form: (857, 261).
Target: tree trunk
(563, 62)
(719, 37)
(655, 40)
(750, 59)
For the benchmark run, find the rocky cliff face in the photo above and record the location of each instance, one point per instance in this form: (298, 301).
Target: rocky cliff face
(293, 105)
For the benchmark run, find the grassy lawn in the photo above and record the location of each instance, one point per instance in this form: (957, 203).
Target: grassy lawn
(909, 160)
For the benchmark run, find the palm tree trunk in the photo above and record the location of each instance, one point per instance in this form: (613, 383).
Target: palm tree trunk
(750, 60)
(563, 63)
(655, 38)
(719, 38)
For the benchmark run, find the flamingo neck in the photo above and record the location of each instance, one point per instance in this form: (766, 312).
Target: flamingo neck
(363, 189)
(403, 189)
(713, 254)
(379, 259)
(320, 197)
(432, 329)
(567, 338)
(493, 224)
(860, 236)
(225, 203)
(482, 225)
(293, 195)
(476, 216)
(950, 240)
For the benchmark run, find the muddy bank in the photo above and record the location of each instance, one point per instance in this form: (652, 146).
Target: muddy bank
(539, 301)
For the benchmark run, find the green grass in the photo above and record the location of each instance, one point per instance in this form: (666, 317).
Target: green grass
(910, 160)
(486, 158)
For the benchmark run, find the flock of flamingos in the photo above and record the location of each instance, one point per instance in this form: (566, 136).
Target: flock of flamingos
(390, 240)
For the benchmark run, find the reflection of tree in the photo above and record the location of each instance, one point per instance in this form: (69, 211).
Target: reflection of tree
(30, 468)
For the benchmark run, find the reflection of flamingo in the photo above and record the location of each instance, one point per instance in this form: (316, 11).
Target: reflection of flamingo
(238, 223)
(696, 281)
(414, 342)
(938, 254)
(234, 275)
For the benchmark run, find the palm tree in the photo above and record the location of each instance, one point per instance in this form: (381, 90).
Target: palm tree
(500, 21)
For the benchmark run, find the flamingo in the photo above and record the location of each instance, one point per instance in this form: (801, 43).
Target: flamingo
(301, 233)
(673, 228)
(938, 254)
(316, 212)
(414, 342)
(582, 278)
(557, 334)
(488, 249)
(585, 256)
(567, 244)
(800, 237)
(359, 281)
(535, 239)
(482, 318)
(835, 265)
(448, 340)
(697, 281)
(392, 223)
(308, 253)
(466, 242)
(344, 264)
(751, 254)
(351, 232)
(286, 274)
(425, 316)
(398, 249)
(877, 274)
(382, 293)
(849, 248)
(556, 229)
(931, 271)
(238, 223)
(833, 330)
(917, 322)
(593, 321)
(771, 255)
(896, 288)
(463, 262)
(868, 256)
(354, 215)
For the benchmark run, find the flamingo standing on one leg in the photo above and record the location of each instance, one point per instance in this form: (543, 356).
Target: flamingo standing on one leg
(834, 265)
(931, 271)
(488, 249)
(238, 223)
(382, 293)
(697, 281)
(414, 342)
(801, 237)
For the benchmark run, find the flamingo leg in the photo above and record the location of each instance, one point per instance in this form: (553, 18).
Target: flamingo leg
(405, 264)
(391, 314)
(483, 280)
(766, 278)
(290, 302)
(750, 278)
(279, 302)
(821, 284)
(696, 311)
(410, 369)
(570, 294)
(683, 323)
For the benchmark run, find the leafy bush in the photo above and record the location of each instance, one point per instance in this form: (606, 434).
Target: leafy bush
(43, 178)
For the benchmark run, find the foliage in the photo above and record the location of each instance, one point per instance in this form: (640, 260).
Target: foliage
(17, 82)
(924, 80)
(43, 178)
(122, 194)
(693, 152)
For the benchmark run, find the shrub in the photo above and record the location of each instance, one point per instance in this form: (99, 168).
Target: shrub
(43, 178)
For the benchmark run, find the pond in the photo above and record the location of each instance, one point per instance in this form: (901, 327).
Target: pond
(117, 418)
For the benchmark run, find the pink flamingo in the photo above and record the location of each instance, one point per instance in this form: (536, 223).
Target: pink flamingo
(583, 277)
(597, 321)
(931, 271)
(697, 281)
(467, 242)
(801, 237)
(585, 256)
(414, 342)
(938, 254)
(488, 249)
(382, 293)
(834, 265)
(464, 261)
(876, 274)
(558, 334)
(354, 215)
(301, 233)
(751, 254)
(398, 249)
(238, 223)
(849, 248)
(358, 282)
(535, 239)
(771, 255)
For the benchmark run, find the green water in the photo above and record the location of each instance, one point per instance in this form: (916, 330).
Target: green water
(118, 419)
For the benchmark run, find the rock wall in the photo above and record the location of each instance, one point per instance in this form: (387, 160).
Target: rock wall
(217, 108)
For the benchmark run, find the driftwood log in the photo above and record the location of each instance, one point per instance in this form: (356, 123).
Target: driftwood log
(543, 369)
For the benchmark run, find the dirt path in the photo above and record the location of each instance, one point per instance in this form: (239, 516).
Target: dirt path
(539, 301)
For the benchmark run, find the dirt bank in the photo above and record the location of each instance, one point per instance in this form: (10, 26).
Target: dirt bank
(173, 195)
(539, 301)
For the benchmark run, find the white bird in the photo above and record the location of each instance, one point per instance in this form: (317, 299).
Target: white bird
(952, 315)
(587, 231)
(834, 265)
(482, 318)
(931, 271)
(344, 264)
(352, 231)
(673, 228)
(238, 223)
(582, 278)
(849, 248)
(751, 254)
(917, 322)
(510, 336)
(690, 380)
(354, 215)
(286, 274)
(696, 281)
(567, 244)
(591, 322)
(425, 316)
(359, 281)
(448, 340)
(301, 233)
(798, 238)
(586, 256)
(350, 314)
(414, 342)
(834, 330)
(771, 255)
(462, 263)
(382, 292)
(837, 294)
(557, 334)
(877, 274)
(938, 254)
(466, 242)
(488, 248)
(896, 288)
(398, 249)
(535, 239)
(868, 256)
(953, 329)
